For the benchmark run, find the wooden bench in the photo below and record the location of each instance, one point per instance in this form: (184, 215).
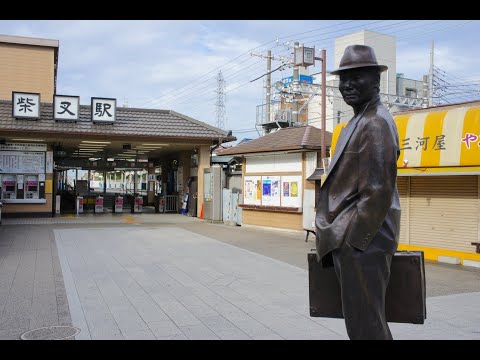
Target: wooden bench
(309, 230)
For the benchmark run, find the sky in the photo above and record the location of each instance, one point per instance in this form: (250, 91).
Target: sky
(174, 64)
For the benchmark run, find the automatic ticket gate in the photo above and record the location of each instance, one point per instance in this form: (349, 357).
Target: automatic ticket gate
(99, 204)
(118, 207)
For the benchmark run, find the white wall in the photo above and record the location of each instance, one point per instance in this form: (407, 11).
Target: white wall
(385, 50)
(274, 163)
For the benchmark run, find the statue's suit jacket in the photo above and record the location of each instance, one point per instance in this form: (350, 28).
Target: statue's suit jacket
(359, 200)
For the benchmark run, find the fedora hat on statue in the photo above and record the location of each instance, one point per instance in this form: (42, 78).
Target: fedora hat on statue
(358, 56)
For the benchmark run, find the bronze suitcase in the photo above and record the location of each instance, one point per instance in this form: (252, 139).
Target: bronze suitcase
(406, 291)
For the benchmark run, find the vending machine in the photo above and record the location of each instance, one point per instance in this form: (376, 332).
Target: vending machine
(31, 187)
(9, 186)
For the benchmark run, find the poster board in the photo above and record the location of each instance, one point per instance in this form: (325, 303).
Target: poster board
(252, 194)
(271, 190)
(291, 191)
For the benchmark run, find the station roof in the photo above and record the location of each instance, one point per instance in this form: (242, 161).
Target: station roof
(136, 122)
(133, 127)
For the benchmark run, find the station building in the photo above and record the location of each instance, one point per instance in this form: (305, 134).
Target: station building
(44, 135)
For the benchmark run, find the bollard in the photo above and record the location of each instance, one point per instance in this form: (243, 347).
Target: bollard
(57, 204)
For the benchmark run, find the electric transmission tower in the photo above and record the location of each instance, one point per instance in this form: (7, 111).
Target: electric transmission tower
(220, 103)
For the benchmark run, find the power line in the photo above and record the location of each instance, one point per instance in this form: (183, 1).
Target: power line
(416, 35)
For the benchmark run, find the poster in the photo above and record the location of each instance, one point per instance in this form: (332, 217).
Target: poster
(267, 188)
(251, 190)
(271, 190)
(276, 188)
(259, 190)
(294, 189)
(291, 191)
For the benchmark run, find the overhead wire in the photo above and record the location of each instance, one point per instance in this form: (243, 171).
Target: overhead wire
(418, 34)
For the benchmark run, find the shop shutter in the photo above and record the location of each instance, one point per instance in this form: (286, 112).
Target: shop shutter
(402, 186)
(444, 211)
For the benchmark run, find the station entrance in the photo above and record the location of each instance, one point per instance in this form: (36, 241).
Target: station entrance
(138, 187)
(147, 160)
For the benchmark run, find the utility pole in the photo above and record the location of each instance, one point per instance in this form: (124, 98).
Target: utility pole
(296, 44)
(324, 102)
(425, 91)
(268, 84)
(430, 98)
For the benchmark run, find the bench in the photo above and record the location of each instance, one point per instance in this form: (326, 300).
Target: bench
(309, 230)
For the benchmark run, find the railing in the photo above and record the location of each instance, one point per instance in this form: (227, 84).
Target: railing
(171, 203)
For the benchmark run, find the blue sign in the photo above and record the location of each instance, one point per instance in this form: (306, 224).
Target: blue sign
(301, 78)
(287, 81)
(305, 79)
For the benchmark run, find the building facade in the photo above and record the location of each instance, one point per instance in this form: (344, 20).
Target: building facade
(43, 134)
(439, 181)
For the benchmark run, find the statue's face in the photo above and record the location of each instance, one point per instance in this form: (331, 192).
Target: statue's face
(358, 86)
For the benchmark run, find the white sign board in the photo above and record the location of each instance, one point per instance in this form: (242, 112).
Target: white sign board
(252, 193)
(180, 179)
(14, 162)
(271, 190)
(23, 147)
(291, 191)
(66, 107)
(103, 110)
(49, 162)
(25, 105)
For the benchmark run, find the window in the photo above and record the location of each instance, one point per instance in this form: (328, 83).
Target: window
(410, 92)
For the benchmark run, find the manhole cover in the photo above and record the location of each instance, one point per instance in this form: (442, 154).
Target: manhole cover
(51, 333)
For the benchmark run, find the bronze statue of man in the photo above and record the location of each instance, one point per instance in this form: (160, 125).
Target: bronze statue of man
(358, 213)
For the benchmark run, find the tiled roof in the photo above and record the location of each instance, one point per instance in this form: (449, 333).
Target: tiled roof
(129, 121)
(291, 138)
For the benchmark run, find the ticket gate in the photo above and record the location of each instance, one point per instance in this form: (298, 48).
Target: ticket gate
(118, 207)
(99, 204)
(138, 204)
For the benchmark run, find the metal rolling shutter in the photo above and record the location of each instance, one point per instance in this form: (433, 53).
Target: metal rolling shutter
(444, 211)
(402, 186)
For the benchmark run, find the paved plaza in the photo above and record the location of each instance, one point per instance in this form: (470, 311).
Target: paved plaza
(157, 276)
